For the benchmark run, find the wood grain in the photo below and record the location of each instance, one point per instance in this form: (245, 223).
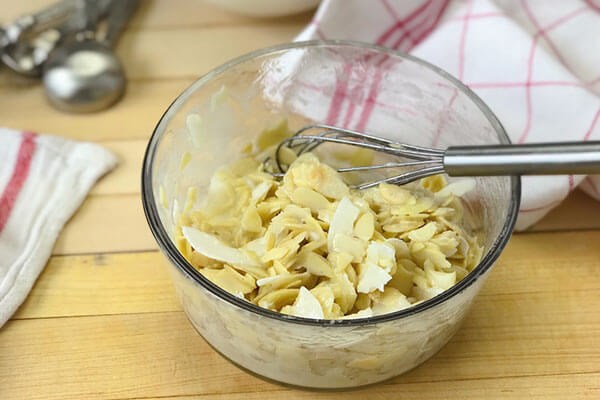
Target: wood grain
(134, 117)
(98, 284)
(165, 54)
(106, 224)
(125, 179)
(578, 211)
(570, 386)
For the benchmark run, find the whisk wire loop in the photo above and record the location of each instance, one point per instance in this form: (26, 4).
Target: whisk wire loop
(302, 143)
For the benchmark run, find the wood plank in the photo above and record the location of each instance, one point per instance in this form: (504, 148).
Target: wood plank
(560, 387)
(161, 54)
(166, 14)
(123, 356)
(106, 224)
(134, 117)
(125, 178)
(101, 284)
(547, 261)
(578, 211)
(533, 264)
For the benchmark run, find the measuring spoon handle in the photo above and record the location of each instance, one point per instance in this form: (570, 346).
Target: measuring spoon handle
(119, 14)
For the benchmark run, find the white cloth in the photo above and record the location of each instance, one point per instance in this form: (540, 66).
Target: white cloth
(536, 63)
(43, 180)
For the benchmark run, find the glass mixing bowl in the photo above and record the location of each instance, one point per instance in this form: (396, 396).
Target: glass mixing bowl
(389, 94)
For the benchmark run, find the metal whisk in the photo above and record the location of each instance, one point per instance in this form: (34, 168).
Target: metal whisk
(523, 159)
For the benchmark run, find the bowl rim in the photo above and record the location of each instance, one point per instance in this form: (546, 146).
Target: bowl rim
(176, 258)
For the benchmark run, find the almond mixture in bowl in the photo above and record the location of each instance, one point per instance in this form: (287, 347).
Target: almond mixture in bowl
(307, 245)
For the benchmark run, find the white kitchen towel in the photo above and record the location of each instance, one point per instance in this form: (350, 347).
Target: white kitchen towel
(536, 63)
(43, 180)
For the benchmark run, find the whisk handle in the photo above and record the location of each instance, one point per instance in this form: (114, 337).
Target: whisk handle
(524, 159)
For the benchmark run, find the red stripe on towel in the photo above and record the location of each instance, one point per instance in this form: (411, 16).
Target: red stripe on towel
(18, 178)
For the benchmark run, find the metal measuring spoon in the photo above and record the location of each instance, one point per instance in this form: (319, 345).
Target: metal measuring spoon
(85, 75)
(26, 42)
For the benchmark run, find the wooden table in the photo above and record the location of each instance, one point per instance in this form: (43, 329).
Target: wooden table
(102, 321)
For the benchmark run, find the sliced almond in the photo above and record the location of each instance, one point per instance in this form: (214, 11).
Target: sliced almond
(346, 244)
(424, 233)
(394, 194)
(342, 222)
(314, 263)
(343, 291)
(230, 280)
(287, 156)
(279, 298)
(251, 220)
(365, 227)
(402, 226)
(339, 261)
(211, 247)
(307, 197)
